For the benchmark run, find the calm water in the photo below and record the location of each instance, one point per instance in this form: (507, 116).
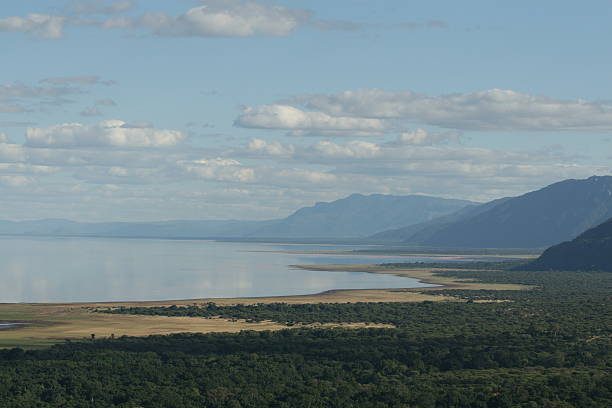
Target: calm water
(99, 269)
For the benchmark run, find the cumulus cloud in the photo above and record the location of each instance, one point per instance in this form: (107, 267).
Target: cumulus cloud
(213, 18)
(112, 133)
(4, 138)
(289, 117)
(395, 154)
(292, 177)
(353, 150)
(37, 25)
(228, 18)
(218, 169)
(492, 110)
(424, 138)
(270, 148)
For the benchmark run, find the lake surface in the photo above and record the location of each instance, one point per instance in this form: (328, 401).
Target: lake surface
(99, 269)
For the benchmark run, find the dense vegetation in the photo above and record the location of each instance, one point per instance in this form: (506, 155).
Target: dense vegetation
(547, 347)
(591, 250)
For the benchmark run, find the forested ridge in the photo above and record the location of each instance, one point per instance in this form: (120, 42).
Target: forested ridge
(546, 347)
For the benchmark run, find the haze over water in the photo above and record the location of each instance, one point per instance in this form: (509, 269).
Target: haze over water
(99, 269)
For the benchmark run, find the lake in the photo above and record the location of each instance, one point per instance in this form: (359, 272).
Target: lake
(99, 269)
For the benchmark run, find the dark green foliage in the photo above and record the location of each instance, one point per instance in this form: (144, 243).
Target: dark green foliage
(547, 347)
(294, 368)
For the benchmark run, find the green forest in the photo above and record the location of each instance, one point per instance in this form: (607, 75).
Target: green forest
(545, 347)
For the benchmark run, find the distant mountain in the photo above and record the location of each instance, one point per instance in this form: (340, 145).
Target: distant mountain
(356, 216)
(359, 216)
(591, 251)
(416, 234)
(538, 219)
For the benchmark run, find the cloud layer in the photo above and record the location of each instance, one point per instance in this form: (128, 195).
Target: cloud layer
(226, 19)
(112, 133)
(289, 117)
(489, 110)
(37, 25)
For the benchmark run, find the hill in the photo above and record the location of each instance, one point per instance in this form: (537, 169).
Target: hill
(591, 251)
(537, 219)
(359, 216)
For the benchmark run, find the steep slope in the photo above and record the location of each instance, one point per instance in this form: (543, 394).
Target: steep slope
(359, 216)
(538, 219)
(419, 233)
(591, 251)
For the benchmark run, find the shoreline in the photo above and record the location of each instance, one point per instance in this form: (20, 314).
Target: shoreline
(51, 323)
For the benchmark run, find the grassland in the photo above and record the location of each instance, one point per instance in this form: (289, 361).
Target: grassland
(52, 323)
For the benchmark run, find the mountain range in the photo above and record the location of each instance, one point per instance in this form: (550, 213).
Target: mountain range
(356, 216)
(538, 219)
(359, 216)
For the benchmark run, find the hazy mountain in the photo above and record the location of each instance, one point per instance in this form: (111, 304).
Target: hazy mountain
(360, 216)
(591, 251)
(538, 219)
(421, 232)
(351, 217)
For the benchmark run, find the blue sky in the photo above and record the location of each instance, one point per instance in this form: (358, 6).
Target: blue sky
(127, 110)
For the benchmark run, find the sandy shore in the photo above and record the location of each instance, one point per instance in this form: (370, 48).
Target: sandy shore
(425, 275)
(55, 322)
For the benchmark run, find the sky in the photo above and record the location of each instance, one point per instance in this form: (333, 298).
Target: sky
(230, 109)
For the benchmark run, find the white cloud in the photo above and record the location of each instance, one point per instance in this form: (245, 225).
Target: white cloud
(4, 138)
(38, 25)
(293, 177)
(424, 138)
(353, 150)
(493, 110)
(112, 133)
(289, 117)
(270, 148)
(218, 169)
(227, 18)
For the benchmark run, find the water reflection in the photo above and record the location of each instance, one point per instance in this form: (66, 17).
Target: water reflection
(98, 269)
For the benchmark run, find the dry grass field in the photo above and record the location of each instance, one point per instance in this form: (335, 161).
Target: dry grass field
(52, 323)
